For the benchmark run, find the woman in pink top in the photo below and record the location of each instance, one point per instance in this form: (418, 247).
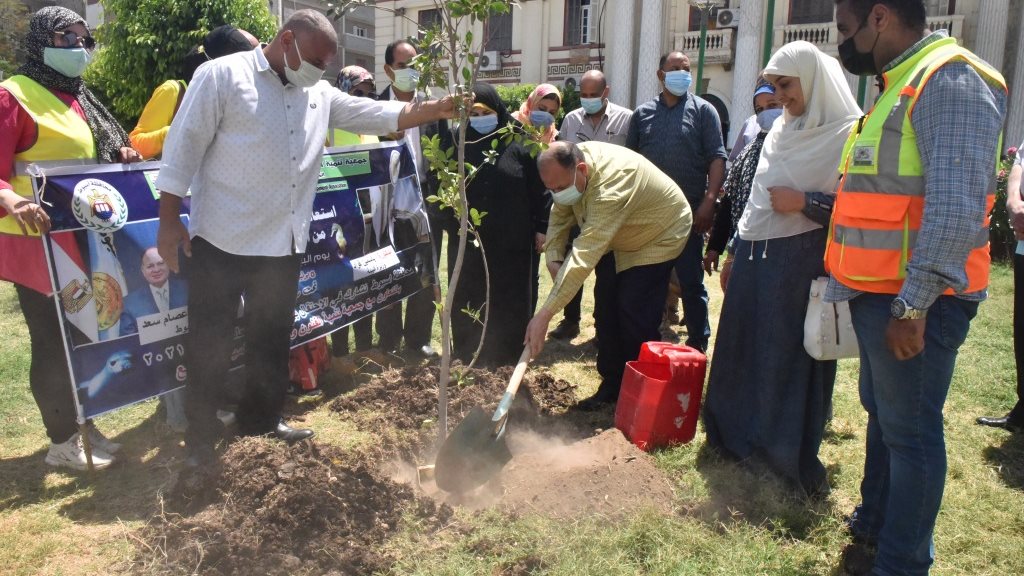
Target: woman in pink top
(540, 110)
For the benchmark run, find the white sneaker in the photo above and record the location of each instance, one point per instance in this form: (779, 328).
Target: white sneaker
(227, 418)
(98, 440)
(71, 454)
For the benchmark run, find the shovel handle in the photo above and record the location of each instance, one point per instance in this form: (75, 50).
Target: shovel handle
(513, 387)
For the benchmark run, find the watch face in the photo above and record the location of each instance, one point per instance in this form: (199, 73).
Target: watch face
(898, 308)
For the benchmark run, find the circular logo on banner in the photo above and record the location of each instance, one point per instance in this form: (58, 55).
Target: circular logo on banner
(99, 206)
(109, 304)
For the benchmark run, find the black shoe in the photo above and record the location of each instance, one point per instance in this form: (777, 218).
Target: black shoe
(289, 434)
(198, 457)
(601, 400)
(1003, 422)
(858, 559)
(425, 351)
(566, 330)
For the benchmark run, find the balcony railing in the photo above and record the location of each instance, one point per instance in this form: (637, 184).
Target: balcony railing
(359, 43)
(826, 37)
(717, 51)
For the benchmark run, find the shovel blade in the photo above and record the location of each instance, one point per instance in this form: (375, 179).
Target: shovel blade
(471, 455)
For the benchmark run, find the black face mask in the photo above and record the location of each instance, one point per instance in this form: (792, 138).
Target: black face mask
(858, 63)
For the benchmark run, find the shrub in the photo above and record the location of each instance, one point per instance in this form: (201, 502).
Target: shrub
(514, 96)
(144, 42)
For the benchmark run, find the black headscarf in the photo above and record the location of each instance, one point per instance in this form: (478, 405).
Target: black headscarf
(476, 143)
(108, 135)
(221, 41)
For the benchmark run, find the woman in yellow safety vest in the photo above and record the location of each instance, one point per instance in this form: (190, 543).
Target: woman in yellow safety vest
(151, 130)
(48, 115)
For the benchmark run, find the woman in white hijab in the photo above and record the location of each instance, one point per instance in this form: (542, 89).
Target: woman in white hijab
(767, 399)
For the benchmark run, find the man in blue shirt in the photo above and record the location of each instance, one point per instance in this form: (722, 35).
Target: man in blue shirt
(682, 135)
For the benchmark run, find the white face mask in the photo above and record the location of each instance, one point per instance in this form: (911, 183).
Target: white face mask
(306, 76)
(406, 79)
(568, 196)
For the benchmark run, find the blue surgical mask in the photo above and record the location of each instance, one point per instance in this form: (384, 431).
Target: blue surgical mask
(406, 79)
(484, 124)
(592, 105)
(678, 82)
(765, 118)
(541, 118)
(70, 62)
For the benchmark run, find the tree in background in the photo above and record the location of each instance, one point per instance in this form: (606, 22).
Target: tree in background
(144, 42)
(13, 26)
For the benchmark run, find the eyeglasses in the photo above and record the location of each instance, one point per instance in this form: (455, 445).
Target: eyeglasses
(363, 94)
(71, 40)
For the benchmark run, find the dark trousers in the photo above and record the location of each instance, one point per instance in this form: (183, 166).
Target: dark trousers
(571, 312)
(217, 280)
(419, 308)
(690, 271)
(48, 373)
(363, 330)
(627, 313)
(1017, 414)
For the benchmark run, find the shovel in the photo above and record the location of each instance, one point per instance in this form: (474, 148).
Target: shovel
(476, 450)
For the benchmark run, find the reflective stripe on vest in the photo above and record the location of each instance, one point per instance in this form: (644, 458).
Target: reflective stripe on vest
(880, 200)
(62, 136)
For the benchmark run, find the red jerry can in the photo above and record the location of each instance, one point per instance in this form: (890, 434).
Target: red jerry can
(307, 362)
(659, 402)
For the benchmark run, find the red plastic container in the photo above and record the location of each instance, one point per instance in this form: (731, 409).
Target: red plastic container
(307, 362)
(660, 398)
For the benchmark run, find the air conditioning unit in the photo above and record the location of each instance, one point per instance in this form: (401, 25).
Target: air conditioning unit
(570, 84)
(490, 61)
(728, 18)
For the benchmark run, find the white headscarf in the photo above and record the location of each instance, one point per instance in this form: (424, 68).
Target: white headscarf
(802, 152)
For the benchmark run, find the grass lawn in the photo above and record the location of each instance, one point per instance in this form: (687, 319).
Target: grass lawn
(728, 521)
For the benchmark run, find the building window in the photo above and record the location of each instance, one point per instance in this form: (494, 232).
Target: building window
(940, 7)
(359, 31)
(580, 22)
(810, 11)
(499, 32)
(427, 19)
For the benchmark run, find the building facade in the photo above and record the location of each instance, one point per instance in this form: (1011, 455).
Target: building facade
(556, 41)
(355, 28)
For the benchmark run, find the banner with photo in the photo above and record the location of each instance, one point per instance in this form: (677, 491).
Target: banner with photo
(124, 313)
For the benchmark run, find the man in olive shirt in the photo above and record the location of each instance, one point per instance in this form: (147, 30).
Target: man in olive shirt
(626, 208)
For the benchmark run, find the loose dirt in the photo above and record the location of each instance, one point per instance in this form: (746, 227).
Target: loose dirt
(400, 406)
(274, 509)
(602, 475)
(269, 508)
(564, 463)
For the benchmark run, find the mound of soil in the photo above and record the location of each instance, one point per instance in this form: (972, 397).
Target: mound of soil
(274, 509)
(604, 474)
(400, 406)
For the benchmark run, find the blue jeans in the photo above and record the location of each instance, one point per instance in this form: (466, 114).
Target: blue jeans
(690, 271)
(905, 464)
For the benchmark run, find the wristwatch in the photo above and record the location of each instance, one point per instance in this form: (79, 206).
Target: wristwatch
(900, 310)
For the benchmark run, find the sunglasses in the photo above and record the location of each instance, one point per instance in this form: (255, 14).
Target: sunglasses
(364, 94)
(71, 40)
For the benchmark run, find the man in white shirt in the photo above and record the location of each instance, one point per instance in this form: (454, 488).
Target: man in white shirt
(409, 227)
(247, 143)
